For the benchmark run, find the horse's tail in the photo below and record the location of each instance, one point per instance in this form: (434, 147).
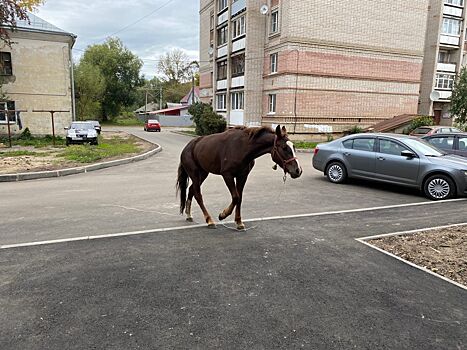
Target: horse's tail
(181, 186)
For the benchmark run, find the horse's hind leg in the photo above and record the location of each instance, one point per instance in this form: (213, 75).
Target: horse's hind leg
(241, 181)
(197, 181)
(189, 200)
(230, 182)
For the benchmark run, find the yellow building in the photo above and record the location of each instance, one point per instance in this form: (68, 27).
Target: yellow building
(37, 76)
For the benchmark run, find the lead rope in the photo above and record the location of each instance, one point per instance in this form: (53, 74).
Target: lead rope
(235, 229)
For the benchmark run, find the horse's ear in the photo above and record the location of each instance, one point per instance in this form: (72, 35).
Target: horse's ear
(284, 131)
(278, 131)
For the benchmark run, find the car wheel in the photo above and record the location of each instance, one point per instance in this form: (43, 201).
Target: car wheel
(336, 172)
(439, 187)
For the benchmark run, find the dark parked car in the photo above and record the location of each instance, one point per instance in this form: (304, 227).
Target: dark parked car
(81, 132)
(433, 130)
(397, 159)
(152, 125)
(449, 143)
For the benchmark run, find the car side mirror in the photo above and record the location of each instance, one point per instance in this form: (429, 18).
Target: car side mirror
(408, 154)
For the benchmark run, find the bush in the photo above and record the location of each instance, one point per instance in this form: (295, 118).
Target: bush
(354, 130)
(26, 135)
(418, 122)
(206, 121)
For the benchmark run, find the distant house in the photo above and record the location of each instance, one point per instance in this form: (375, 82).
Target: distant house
(176, 114)
(37, 75)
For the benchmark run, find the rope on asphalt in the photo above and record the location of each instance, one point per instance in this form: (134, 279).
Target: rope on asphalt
(235, 229)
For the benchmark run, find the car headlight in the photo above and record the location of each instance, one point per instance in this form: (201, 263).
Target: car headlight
(465, 172)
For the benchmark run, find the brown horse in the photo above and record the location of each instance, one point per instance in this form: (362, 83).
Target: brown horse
(232, 155)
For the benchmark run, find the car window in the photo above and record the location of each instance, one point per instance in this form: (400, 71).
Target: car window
(391, 147)
(348, 143)
(445, 143)
(421, 131)
(462, 143)
(153, 121)
(444, 130)
(81, 126)
(364, 144)
(455, 130)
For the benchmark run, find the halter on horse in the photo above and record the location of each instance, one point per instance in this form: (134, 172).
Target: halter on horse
(232, 155)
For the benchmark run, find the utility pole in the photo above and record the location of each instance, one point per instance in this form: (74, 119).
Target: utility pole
(160, 96)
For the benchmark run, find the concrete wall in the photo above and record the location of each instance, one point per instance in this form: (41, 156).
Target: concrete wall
(41, 80)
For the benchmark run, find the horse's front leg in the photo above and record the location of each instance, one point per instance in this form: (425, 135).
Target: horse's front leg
(230, 182)
(241, 181)
(197, 182)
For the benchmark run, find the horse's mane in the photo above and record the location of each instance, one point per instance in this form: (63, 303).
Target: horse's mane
(254, 132)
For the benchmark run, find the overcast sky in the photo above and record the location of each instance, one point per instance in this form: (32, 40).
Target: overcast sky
(174, 25)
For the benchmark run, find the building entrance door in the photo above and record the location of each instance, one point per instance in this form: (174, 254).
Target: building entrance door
(438, 117)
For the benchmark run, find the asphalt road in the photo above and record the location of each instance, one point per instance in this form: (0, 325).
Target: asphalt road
(141, 196)
(304, 283)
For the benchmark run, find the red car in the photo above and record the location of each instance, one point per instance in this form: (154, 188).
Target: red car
(152, 125)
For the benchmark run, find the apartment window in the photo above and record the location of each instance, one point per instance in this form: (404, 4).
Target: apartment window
(222, 36)
(444, 81)
(211, 21)
(238, 65)
(237, 101)
(444, 57)
(7, 106)
(455, 2)
(5, 63)
(222, 70)
(274, 22)
(274, 60)
(451, 26)
(221, 5)
(239, 27)
(272, 103)
(221, 102)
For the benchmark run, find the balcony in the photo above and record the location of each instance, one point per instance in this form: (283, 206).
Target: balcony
(444, 95)
(446, 67)
(222, 18)
(449, 40)
(452, 11)
(238, 45)
(222, 84)
(236, 117)
(238, 81)
(222, 51)
(238, 6)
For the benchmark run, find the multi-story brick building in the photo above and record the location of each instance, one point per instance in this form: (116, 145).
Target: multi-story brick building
(36, 72)
(314, 66)
(444, 51)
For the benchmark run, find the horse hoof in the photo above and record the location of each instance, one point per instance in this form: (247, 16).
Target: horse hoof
(189, 219)
(241, 227)
(212, 226)
(221, 217)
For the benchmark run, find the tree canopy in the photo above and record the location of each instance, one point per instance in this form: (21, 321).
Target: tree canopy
(459, 98)
(10, 12)
(120, 70)
(175, 67)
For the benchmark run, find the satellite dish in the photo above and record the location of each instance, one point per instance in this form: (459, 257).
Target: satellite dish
(264, 10)
(435, 95)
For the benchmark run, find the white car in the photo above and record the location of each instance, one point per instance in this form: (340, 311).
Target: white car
(81, 132)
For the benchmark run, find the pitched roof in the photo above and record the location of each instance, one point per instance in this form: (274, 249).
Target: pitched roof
(161, 111)
(37, 24)
(391, 124)
(187, 98)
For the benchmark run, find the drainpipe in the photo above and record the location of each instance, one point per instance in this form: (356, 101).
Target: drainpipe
(72, 77)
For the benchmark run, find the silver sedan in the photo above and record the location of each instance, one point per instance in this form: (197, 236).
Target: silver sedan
(395, 159)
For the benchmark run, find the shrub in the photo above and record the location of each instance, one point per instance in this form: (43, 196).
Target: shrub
(418, 122)
(26, 135)
(354, 130)
(206, 121)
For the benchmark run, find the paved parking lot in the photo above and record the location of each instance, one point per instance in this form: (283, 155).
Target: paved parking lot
(290, 283)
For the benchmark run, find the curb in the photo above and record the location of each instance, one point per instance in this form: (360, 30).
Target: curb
(77, 170)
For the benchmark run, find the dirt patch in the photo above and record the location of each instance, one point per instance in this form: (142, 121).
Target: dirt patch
(47, 158)
(442, 251)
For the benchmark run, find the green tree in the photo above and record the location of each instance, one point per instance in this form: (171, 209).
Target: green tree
(10, 12)
(423, 120)
(90, 89)
(121, 71)
(206, 121)
(174, 67)
(459, 98)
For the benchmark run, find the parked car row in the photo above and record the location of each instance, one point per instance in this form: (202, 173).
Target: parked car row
(397, 159)
(83, 132)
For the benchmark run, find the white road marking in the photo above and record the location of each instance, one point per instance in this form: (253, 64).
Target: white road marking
(365, 239)
(83, 238)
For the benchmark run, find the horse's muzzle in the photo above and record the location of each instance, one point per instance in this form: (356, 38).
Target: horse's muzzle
(296, 174)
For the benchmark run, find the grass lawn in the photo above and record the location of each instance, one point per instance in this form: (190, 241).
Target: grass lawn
(37, 142)
(305, 144)
(11, 154)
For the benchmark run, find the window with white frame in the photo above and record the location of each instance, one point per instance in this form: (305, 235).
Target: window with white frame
(454, 2)
(237, 101)
(444, 81)
(239, 27)
(222, 36)
(238, 65)
(4, 108)
(272, 103)
(274, 60)
(444, 56)
(221, 5)
(274, 22)
(451, 26)
(221, 102)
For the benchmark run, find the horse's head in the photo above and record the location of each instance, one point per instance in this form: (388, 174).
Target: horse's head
(283, 153)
